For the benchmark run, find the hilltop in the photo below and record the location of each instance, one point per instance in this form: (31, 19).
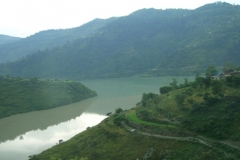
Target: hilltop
(18, 95)
(148, 42)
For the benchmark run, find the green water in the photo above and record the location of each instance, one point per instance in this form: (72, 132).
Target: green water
(125, 92)
(30, 133)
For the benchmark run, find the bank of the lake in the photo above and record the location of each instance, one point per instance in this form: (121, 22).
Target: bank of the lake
(19, 95)
(196, 120)
(29, 133)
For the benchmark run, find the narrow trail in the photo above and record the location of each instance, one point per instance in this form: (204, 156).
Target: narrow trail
(192, 139)
(197, 139)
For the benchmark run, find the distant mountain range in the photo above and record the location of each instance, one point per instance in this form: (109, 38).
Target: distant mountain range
(147, 42)
(4, 39)
(47, 40)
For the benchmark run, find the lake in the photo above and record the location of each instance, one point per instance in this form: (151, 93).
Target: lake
(30, 133)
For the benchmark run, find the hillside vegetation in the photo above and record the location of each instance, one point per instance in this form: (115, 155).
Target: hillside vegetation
(7, 39)
(195, 120)
(47, 40)
(24, 95)
(206, 107)
(148, 42)
(109, 141)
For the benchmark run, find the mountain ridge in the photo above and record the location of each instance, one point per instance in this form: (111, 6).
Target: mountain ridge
(4, 39)
(147, 42)
(48, 39)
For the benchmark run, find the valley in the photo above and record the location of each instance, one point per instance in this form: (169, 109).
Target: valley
(148, 42)
(57, 123)
(153, 84)
(195, 114)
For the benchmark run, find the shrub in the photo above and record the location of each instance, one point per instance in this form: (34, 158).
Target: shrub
(165, 89)
(180, 98)
(119, 119)
(118, 110)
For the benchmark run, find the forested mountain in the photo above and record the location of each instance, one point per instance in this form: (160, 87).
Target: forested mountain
(147, 42)
(7, 39)
(48, 39)
(19, 95)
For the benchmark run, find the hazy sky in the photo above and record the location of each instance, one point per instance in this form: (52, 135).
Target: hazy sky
(25, 17)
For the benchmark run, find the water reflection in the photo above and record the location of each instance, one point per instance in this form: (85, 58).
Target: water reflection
(38, 140)
(27, 134)
(19, 124)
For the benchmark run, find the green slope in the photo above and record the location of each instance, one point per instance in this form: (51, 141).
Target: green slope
(206, 107)
(148, 41)
(48, 39)
(24, 95)
(107, 141)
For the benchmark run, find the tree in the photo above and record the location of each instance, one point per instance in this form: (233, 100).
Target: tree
(55, 157)
(165, 89)
(144, 114)
(174, 83)
(120, 118)
(118, 110)
(180, 98)
(207, 81)
(216, 86)
(199, 81)
(185, 81)
(211, 71)
(228, 66)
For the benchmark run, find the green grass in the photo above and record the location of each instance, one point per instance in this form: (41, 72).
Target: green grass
(107, 141)
(133, 117)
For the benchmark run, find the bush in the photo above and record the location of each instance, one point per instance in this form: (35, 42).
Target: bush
(165, 89)
(118, 110)
(216, 87)
(180, 98)
(119, 119)
(189, 91)
(144, 114)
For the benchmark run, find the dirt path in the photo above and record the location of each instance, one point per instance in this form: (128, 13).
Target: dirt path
(197, 139)
(192, 139)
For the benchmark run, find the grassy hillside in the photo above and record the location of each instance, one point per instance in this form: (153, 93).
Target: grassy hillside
(109, 141)
(147, 42)
(24, 95)
(206, 107)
